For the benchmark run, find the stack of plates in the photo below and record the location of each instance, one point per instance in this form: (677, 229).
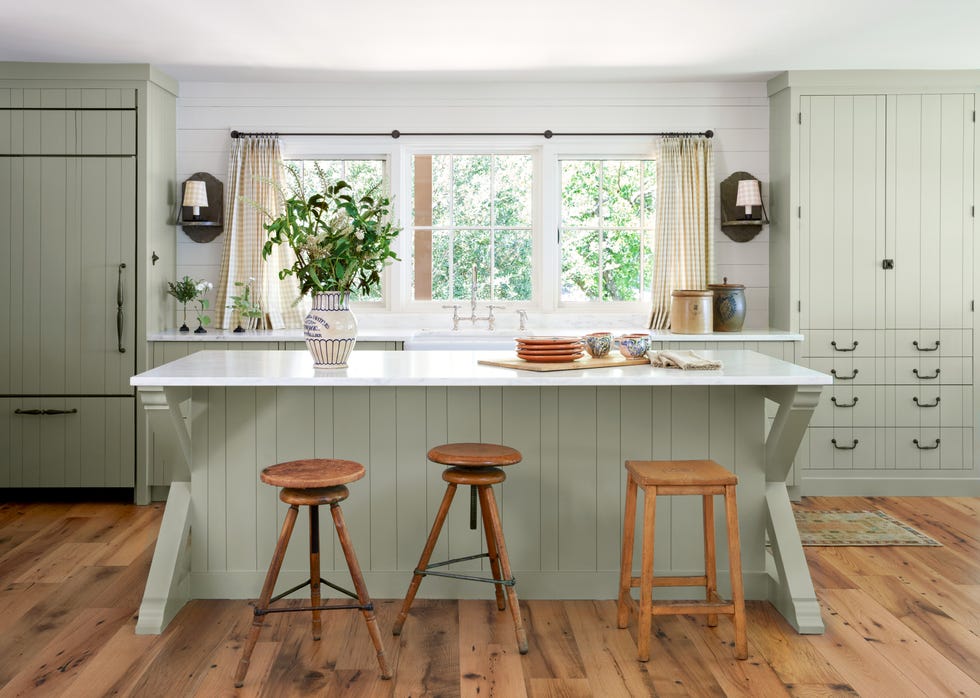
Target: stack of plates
(549, 350)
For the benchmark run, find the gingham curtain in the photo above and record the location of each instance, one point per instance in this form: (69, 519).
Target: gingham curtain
(254, 172)
(684, 243)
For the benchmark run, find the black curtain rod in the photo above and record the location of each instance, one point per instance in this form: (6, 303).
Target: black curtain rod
(545, 134)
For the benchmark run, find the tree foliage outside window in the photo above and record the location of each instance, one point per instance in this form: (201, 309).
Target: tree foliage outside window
(311, 176)
(477, 211)
(606, 229)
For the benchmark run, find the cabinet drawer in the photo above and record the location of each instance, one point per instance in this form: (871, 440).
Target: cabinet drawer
(838, 343)
(939, 449)
(942, 370)
(848, 370)
(924, 343)
(848, 406)
(933, 406)
(842, 449)
(92, 446)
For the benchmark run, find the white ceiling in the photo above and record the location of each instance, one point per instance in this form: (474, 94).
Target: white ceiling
(301, 40)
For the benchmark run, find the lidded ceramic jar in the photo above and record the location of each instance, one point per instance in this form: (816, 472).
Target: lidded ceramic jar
(729, 306)
(690, 312)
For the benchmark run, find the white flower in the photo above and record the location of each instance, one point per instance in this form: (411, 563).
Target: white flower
(359, 234)
(251, 279)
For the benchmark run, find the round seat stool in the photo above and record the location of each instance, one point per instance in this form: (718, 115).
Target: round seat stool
(476, 465)
(313, 483)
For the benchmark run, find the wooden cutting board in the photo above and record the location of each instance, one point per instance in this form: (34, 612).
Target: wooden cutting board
(584, 362)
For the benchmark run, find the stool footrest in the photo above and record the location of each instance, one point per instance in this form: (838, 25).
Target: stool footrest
(470, 578)
(681, 607)
(341, 607)
(307, 583)
(673, 581)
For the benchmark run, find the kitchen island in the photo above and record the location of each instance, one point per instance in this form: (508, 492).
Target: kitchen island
(561, 507)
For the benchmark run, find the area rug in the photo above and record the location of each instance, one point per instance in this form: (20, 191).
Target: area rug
(841, 528)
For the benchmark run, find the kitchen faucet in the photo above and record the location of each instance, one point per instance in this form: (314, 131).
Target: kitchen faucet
(473, 318)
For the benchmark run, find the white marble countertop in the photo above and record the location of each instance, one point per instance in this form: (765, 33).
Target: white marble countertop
(401, 334)
(455, 368)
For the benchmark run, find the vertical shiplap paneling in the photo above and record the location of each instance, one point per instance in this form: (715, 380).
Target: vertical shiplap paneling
(383, 480)
(324, 447)
(932, 228)
(296, 426)
(352, 440)
(818, 214)
(73, 277)
(956, 177)
(521, 501)
(201, 413)
(436, 432)
(266, 498)
(53, 291)
(690, 439)
(218, 476)
(491, 431)
(749, 447)
(94, 445)
(550, 463)
(6, 260)
(410, 478)
(908, 212)
(95, 260)
(463, 424)
(609, 466)
(842, 212)
(576, 478)
(241, 437)
(29, 297)
(721, 449)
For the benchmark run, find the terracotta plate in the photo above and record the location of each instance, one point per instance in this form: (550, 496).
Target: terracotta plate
(553, 359)
(549, 340)
(535, 349)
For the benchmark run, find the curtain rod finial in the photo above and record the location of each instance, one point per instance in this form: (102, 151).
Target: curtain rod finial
(709, 133)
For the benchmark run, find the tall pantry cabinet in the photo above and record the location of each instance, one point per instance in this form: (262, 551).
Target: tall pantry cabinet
(87, 179)
(872, 260)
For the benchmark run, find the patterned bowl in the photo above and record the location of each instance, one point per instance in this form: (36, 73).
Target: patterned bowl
(634, 346)
(598, 344)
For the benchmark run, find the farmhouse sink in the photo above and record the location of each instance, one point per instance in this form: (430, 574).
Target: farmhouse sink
(464, 339)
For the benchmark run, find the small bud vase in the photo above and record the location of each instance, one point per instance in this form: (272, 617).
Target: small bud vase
(330, 330)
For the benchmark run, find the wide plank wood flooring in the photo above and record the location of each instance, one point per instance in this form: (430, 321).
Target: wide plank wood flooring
(901, 621)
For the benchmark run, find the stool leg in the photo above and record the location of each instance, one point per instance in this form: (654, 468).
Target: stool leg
(315, 567)
(430, 545)
(626, 560)
(267, 589)
(646, 574)
(494, 556)
(710, 563)
(360, 587)
(489, 503)
(735, 569)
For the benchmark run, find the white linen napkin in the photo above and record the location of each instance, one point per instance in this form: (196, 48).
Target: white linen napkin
(686, 360)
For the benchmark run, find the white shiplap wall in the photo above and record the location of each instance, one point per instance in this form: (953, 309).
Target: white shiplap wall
(737, 112)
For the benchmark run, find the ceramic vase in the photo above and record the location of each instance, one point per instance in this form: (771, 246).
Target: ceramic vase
(330, 330)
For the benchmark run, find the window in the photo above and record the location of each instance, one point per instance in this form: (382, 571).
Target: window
(364, 175)
(606, 229)
(469, 211)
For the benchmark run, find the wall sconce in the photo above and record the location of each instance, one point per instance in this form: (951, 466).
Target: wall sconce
(201, 191)
(742, 212)
(196, 196)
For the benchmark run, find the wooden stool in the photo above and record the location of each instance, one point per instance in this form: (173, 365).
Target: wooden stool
(698, 477)
(313, 483)
(474, 465)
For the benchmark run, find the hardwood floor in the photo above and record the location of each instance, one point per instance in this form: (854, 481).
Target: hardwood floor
(901, 621)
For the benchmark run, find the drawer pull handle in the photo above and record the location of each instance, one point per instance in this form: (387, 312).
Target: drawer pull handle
(926, 404)
(46, 412)
(120, 314)
(844, 448)
(854, 345)
(851, 377)
(926, 448)
(925, 378)
(916, 345)
(844, 404)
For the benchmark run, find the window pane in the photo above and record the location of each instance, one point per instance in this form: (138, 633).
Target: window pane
(512, 273)
(580, 265)
(440, 265)
(471, 190)
(471, 248)
(621, 266)
(621, 198)
(365, 176)
(512, 184)
(442, 178)
(579, 193)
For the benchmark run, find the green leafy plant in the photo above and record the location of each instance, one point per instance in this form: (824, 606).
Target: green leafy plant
(184, 291)
(341, 242)
(201, 290)
(243, 303)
